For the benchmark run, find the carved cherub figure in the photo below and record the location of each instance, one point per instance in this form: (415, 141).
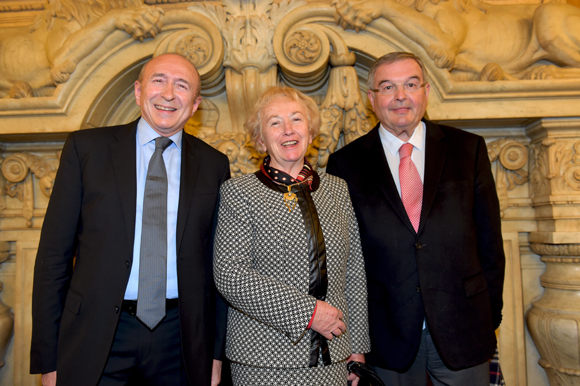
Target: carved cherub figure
(478, 41)
(33, 60)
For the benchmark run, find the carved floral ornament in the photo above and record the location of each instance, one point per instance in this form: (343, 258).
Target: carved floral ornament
(511, 159)
(556, 167)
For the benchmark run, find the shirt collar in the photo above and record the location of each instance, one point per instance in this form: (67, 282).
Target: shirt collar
(146, 134)
(393, 144)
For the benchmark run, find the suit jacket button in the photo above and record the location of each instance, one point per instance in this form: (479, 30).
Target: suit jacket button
(418, 245)
(127, 263)
(418, 289)
(116, 310)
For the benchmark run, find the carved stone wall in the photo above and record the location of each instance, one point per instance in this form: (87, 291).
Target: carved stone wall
(507, 70)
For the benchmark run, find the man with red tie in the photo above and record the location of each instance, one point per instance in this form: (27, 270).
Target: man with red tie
(429, 218)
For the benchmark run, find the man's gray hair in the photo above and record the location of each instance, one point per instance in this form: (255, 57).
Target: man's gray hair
(390, 58)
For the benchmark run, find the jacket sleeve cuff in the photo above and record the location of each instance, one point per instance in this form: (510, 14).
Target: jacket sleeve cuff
(312, 318)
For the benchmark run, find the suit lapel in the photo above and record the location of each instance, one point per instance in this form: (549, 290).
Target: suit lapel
(435, 152)
(189, 173)
(123, 153)
(386, 184)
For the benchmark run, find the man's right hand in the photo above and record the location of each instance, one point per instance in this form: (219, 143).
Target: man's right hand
(328, 320)
(49, 379)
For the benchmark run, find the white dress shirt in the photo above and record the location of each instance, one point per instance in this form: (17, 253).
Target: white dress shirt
(172, 157)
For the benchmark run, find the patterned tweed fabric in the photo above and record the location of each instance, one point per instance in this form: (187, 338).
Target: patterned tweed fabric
(261, 267)
(333, 375)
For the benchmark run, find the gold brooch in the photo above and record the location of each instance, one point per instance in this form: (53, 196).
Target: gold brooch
(290, 199)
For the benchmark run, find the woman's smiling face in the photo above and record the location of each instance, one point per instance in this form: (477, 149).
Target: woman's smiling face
(285, 134)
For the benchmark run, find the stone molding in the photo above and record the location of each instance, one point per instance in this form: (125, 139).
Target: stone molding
(18, 169)
(250, 31)
(557, 250)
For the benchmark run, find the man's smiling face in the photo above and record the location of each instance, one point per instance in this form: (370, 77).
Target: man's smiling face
(167, 92)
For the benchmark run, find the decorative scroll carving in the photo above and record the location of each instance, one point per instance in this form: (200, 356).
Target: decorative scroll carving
(195, 48)
(303, 52)
(250, 63)
(343, 113)
(556, 168)
(447, 32)
(63, 35)
(17, 170)
(303, 47)
(510, 158)
(197, 38)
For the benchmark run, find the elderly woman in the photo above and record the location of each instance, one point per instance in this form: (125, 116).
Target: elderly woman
(288, 258)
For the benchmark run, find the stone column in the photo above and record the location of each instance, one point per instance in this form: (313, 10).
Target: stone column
(554, 319)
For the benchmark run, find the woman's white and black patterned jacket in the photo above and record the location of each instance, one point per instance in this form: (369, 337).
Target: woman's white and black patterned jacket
(261, 267)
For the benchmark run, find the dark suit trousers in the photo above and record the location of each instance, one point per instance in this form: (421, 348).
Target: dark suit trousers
(141, 357)
(429, 363)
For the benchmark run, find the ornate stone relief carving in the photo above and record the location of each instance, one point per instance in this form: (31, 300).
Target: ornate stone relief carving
(303, 52)
(35, 60)
(258, 39)
(18, 170)
(248, 28)
(553, 320)
(556, 167)
(511, 159)
(469, 38)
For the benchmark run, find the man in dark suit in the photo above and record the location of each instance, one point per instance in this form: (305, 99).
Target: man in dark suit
(87, 326)
(430, 228)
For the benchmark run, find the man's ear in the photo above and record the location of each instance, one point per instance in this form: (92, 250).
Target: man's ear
(371, 96)
(138, 93)
(196, 105)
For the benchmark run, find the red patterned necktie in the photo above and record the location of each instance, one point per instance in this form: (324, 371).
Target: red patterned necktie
(411, 185)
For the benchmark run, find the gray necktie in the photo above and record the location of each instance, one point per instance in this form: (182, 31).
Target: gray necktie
(153, 256)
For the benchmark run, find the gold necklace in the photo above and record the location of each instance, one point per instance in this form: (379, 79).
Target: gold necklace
(290, 199)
